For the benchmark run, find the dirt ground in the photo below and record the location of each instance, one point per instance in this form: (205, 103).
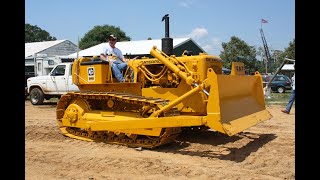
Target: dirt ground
(265, 151)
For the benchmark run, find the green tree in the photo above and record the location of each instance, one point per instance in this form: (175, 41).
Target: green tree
(261, 63)
(36, 34)
(289, 52)
(238, 50)
(100, 34)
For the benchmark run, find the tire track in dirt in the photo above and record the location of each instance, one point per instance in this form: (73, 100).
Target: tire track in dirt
(265, 151)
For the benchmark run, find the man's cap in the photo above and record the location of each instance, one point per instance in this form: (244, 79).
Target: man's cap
(112, 36)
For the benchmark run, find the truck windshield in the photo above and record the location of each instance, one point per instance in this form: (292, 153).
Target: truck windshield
(59, 70)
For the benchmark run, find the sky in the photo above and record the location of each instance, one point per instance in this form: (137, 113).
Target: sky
(208, 22)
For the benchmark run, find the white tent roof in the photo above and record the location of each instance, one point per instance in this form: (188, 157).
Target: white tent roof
(130, 47)
(35, 47)
(287, 67)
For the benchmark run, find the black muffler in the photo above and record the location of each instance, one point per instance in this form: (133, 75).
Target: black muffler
(167, 42)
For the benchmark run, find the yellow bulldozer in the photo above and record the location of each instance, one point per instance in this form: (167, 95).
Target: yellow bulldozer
(168, 94)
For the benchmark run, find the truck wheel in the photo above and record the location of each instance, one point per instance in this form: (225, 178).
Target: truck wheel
(36, 96)
(280, 89)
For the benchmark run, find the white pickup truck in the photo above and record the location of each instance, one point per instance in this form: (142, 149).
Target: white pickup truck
(53, 85)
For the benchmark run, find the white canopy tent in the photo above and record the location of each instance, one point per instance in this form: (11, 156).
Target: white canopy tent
(287, 67)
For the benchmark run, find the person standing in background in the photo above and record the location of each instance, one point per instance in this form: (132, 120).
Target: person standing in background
(292, 96)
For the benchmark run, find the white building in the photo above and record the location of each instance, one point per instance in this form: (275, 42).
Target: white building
(40, 57)
(143, 47)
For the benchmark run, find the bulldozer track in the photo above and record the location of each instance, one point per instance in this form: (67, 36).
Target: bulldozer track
(124, 102)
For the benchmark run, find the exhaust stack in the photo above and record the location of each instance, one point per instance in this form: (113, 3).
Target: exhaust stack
(167, 42)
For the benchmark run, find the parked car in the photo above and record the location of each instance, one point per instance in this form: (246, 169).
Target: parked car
(280, 84)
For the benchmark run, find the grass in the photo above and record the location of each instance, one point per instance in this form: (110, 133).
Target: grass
(278, 99)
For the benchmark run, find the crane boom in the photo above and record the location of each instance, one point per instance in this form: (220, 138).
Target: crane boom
(265, 46)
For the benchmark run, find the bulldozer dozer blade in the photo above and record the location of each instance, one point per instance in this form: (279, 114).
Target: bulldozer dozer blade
(236, 102)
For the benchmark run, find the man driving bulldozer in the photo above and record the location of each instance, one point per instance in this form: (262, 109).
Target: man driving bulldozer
(115, 57)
